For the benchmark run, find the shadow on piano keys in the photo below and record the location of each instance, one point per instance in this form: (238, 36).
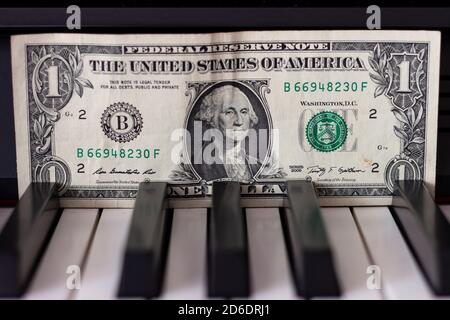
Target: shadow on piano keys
(302, 251)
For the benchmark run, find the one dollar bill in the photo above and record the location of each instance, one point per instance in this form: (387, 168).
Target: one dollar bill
(352, 111)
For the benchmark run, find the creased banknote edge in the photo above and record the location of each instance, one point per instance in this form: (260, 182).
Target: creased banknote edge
(431, 133)
(18, 66)
(188, 38)
(247, 202)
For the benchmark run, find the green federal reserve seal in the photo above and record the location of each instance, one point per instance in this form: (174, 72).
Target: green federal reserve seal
(326, 131)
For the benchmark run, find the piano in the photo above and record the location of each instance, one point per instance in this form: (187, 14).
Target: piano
(226, 251)
(301, 251)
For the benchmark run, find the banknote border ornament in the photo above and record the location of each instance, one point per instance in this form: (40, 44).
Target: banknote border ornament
(410, 165)
(382, 71)
(45, 117)
(408, 111)
(329, 116)
(71, 77)
(61, 169)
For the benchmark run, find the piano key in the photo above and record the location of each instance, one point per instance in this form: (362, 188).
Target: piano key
(444, 86)
(444, 120)
(351, 258)
(307, 241)
(400, 275)
(444, 104)
(427, 231)
(67, 247)
(101, 275)
(5, 213)
(24, 236)
(227, 243)
(269, 264)
(146, 249)
(185, 276)
(8, 192)
(445, 209)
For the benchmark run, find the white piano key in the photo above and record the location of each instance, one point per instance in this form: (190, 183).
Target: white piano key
(100, 277)
(401, 277)
(350, 256)
(67, 247)
(270, 274)
(5, 213)
(185, 274)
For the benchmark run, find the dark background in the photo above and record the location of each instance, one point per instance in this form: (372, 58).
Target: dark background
(167, 16)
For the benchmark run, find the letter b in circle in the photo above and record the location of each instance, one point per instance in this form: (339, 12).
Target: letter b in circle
(122, 123)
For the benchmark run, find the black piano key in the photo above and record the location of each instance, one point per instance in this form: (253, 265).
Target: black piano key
(147, 244)
(8, 192)
(307, 243)
(426, 230)
(228, 273)
(444, 86)
(25, 235)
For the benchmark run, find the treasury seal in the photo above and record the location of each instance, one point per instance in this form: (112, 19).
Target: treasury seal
(121, 122)
(326, 131)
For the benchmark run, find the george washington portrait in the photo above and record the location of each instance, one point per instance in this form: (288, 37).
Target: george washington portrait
(234, 132)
